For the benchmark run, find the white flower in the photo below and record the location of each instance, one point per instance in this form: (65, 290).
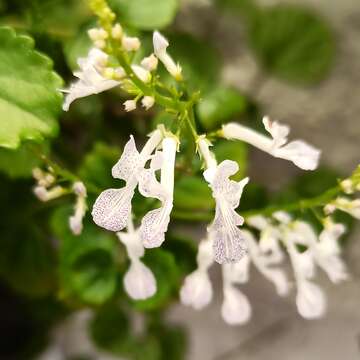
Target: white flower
(147, 102)
(229, 245)
(139, 281)
(131, 43)
(197, 289)
(91, 81)
(143, 74)
(310, 298)
(113, 206)
(150, 63)
(160, 45)
(276, 276)
(43, 194)
(327, 252)
(155, 223)
(299, 152)
(130, 105)
(349, 206)
(235, 309)
(76, 220)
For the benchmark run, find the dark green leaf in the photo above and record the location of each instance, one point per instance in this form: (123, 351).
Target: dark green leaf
(292, 43)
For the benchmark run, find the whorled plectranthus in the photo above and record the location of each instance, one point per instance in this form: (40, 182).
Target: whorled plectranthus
(112, 208)
(155, 223)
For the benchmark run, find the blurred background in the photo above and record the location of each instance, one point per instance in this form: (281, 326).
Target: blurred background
(294, 60)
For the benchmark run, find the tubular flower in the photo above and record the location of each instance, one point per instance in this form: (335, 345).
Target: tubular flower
(155, 223)
(76, 221)
(352, 207)
(196, 290)
(236, 308)
(139, 281)
(229, 244)
(91, 81)
(299, 152)
(160, 45)
(113, 206)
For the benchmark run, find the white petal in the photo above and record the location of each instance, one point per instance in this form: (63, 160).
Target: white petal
(236, 309)
(112, 208)
(154, 226)
(129, 162)
(300, 153)
(279, 132)
(149, 186)
(196, 290)
(279, 279)
(160, 43)
(335, 268)
(139, 281)
(133, 245)
(143, 74)
(310, 300)
(258, 221)
(237, 273)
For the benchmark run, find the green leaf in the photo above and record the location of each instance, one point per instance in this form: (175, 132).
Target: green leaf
(97, 165)
(87, 263)
(146, 14)
(29, 96)
(184, 198)
(200, 62)
(20, 162)
(219, 106)
(292, 43)
(232, 150)
(166, 272)
(24, 242)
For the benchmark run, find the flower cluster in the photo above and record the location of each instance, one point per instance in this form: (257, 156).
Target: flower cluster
(109, 64)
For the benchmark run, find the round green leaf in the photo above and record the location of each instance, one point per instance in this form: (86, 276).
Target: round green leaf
(219, 106)
(292, 43)
(29, 96)
(87, 263)
(146, 14)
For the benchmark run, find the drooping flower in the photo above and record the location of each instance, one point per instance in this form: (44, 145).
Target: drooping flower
(262, 263)
(196, 290)
(236, 308)
(299, 152)
(229, 244)
(155, 223)
(112, 208)
(139, 281)
(160, 45)
(147, 102)
(310, 298)
(130, 105)
(76, 220)
(91, 81)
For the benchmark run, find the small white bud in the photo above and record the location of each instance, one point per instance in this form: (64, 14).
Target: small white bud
(130, 105)
(79, 188)
(131, 43)
(37, 174)
(100, 44)
(141, 73)
(117, 31)
(329, 209)
(45, 195)
(97, 34)
(150, 63)
(147, 102)
(348, 186)
(119, 73)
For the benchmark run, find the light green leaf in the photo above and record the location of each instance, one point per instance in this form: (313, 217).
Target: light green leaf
(20, 162)
(146, 14)
(219, 106)
(29, 96)
(87, 263)
(292, 43)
